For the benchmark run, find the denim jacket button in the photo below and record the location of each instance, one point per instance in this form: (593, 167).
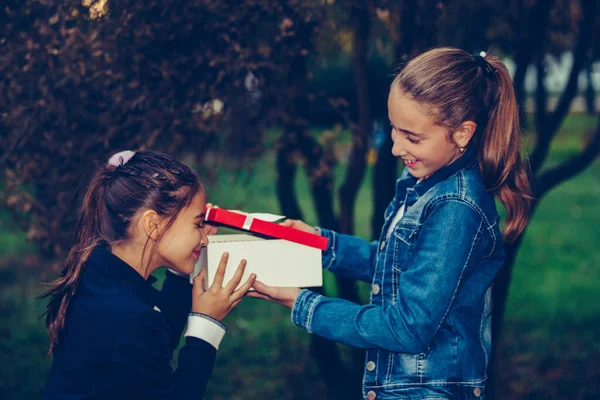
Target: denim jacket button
(477, 392)
(370, 366)
(382, 245)
(376, 289)
(371, 395)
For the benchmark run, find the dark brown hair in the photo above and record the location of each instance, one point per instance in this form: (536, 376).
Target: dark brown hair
(455, 86)
(148, 181)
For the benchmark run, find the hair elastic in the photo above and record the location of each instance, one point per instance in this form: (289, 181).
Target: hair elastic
(482, 62)
(120, 158)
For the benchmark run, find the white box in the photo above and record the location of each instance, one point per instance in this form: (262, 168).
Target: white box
(276, 262)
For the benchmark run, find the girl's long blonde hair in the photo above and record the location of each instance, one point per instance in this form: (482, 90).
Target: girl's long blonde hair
(455, 86)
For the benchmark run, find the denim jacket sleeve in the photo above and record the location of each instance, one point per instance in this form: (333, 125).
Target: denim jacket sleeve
(447, 248)
(361, 262)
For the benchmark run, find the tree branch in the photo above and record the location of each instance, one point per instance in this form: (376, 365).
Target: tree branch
(580, 56)
(545, 136)
(541, 94)
(569, 168)
(284, 182)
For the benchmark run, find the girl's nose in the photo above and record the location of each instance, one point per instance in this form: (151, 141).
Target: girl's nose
(399, 151)
(203, 238)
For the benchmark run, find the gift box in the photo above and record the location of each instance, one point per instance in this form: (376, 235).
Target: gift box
(278, 255)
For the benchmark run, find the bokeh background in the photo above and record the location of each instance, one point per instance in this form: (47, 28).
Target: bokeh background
(280, 106)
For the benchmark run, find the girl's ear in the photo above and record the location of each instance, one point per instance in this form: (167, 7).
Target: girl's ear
(464, 133)
(151, 224)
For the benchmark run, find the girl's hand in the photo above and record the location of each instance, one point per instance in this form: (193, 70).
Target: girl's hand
(301, 226)
(286, 296)
(208, 228)
(218, 301)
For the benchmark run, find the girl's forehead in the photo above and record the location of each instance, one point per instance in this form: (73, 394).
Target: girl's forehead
(406, 113)
(199, 201)
(196, 206)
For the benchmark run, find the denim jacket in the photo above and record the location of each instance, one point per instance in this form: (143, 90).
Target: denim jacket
(427, 329)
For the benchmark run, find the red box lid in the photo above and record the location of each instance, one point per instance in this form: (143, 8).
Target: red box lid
(249, 223)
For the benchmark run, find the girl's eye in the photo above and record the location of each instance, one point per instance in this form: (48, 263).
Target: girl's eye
(200, 225)
(414, 141)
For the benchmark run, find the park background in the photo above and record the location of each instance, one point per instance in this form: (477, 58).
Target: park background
(280, 106)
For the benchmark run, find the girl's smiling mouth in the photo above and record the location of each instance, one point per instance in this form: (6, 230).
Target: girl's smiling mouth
(410, 163)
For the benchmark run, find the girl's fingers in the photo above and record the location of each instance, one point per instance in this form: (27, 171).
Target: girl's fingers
(288, 223)
(264, 289)
(220, 274)
(210, 229)
(241, 292)
(257, 295)
(199, 282)
(237, 277)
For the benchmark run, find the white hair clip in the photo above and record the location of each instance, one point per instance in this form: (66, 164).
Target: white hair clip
(120, 158)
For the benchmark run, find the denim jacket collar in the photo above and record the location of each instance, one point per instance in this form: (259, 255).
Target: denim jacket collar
(111, 267)
(417, 190)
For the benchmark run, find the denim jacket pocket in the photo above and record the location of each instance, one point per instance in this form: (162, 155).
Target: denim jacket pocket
(404, 235)
(405, 232)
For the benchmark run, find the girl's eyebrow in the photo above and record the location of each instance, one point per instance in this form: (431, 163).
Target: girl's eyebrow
(200, 216)
(420, 135)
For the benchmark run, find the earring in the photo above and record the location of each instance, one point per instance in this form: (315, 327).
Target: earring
(462, 149)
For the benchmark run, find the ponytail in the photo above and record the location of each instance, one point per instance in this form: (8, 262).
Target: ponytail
(503, 169)
(86, 238)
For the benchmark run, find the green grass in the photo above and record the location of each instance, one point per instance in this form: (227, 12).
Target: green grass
(552, 335)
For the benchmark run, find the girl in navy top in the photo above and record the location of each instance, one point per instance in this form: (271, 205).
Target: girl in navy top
(112, 334)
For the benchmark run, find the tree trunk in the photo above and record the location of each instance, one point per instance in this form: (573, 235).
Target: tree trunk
(361, 25)
(284, 183)
(541, 186)
(547, 125)
(499, 295)
(360, 20)
(590, 92)
(296, 140)
(386, 166)
(522, 63)
(357, 163)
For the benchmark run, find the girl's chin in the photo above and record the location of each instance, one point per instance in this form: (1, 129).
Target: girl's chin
(184, 269)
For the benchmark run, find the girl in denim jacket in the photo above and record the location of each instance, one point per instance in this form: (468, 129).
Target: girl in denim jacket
(427, 329)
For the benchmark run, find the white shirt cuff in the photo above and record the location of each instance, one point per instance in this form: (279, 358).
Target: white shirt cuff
(206, 328)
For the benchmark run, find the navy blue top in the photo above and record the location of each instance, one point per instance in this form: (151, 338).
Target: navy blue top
(117, 345)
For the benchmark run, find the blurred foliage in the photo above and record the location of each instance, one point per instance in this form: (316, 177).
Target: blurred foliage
(83, 79)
